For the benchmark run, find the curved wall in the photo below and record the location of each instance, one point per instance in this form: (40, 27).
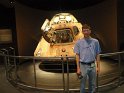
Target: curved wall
(102, 18)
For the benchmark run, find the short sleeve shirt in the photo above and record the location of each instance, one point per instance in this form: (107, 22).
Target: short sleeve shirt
(87, 49)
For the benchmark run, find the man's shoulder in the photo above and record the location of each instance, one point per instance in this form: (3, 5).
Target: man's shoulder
(94, 39)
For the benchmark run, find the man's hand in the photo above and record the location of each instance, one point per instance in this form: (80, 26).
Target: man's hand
(78, 70)
(79, 74)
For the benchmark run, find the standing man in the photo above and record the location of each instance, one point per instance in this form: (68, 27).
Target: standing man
(87, 51)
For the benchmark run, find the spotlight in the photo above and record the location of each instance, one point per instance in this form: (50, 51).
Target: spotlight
(12, 3)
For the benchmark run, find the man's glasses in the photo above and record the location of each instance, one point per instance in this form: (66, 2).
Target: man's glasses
(86, 30)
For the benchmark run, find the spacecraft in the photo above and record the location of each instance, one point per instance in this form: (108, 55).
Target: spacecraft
(59, 36)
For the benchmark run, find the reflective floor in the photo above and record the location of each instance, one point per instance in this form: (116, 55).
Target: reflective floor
(50, 76)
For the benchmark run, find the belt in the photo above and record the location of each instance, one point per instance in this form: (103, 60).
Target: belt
(87, 63)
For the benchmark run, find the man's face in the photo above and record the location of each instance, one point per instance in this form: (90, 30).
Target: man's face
(86, 32)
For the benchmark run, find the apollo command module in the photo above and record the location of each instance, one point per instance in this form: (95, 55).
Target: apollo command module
(59, 36)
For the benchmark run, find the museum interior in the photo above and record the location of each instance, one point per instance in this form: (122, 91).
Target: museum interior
(37, 39)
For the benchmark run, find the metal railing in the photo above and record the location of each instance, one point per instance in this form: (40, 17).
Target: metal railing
(13, 65)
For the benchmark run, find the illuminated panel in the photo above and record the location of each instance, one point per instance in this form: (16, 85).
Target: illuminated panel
(5, 36)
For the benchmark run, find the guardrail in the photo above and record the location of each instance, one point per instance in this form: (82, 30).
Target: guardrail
(13, 64)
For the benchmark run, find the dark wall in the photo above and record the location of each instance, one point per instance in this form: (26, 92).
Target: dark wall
(121, 25)
(102, 18)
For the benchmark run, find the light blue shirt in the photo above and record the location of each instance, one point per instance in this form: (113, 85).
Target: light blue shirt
(87, 49)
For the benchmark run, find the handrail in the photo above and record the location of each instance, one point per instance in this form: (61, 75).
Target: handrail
(68, 58)
(110, 54)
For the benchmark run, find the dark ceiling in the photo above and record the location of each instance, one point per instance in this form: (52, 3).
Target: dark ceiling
(53, 4)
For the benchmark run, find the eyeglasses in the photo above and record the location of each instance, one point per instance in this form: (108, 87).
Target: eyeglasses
(84, 30)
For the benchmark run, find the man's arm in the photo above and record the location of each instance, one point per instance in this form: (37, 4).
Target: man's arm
(78, 64)
(98, 50)
(98, 63)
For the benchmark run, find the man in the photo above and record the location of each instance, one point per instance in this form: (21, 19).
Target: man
(87, 51)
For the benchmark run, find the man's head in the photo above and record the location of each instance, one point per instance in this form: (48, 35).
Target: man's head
(86, 30)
